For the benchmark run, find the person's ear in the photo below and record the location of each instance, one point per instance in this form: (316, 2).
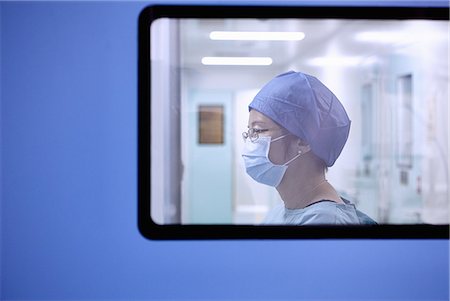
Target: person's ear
(303, 147)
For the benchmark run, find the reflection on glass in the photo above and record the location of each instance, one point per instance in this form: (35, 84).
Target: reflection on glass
(391, 77)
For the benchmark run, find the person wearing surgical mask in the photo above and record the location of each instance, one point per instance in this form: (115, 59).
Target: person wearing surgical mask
(297, 129)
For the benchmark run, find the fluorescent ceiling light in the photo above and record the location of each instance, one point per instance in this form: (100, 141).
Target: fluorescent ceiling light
(257, 35)
(237, 61)
(335, 61)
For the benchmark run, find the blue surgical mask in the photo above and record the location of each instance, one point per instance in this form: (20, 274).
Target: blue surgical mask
(258, 164)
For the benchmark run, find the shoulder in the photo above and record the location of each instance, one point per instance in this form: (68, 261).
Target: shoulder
(275, 215)
(307, 216)
(331, 213)
(320, 213)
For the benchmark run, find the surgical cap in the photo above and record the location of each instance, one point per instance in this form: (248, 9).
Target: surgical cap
(308, 109)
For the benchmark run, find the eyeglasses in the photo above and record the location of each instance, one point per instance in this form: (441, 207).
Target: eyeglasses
(253, 134)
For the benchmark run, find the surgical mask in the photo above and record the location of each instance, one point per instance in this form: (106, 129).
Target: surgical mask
(258, 164)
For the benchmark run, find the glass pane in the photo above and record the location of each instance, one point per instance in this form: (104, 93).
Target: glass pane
(391, 77)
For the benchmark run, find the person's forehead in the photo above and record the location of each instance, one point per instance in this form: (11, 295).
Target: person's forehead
(256, 117)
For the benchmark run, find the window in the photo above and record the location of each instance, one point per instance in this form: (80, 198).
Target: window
(196, 79)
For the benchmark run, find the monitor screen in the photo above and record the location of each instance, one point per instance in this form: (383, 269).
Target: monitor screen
(290, 122)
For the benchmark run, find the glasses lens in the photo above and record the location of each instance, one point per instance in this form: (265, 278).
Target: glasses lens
(253, 135)
(245, 135)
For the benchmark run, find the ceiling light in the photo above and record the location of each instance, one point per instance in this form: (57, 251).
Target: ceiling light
(257, 35)
(237, 61)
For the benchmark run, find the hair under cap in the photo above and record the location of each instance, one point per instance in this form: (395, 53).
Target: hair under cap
(308, 109)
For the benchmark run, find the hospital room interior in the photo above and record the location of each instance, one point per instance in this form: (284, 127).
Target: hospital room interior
(391, 77)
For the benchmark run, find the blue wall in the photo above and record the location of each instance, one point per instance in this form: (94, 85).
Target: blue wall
(68, 203)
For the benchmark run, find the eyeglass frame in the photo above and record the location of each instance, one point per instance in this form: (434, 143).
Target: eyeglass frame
(253, 133)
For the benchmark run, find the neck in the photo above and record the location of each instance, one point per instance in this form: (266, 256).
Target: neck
(304, 184)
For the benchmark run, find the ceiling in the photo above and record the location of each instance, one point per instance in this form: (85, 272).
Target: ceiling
(323, 38)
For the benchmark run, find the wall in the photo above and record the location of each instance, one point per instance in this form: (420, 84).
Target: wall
(208, 191)
(164, 124)
(68, 203)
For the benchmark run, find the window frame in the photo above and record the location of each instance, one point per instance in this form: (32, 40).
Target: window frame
(151, 230)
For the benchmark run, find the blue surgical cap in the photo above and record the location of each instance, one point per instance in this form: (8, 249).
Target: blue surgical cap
(308, 109)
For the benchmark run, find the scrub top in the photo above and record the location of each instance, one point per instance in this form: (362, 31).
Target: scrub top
(321, 213)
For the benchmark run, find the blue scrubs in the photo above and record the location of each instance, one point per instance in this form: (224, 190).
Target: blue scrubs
(320, 213)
